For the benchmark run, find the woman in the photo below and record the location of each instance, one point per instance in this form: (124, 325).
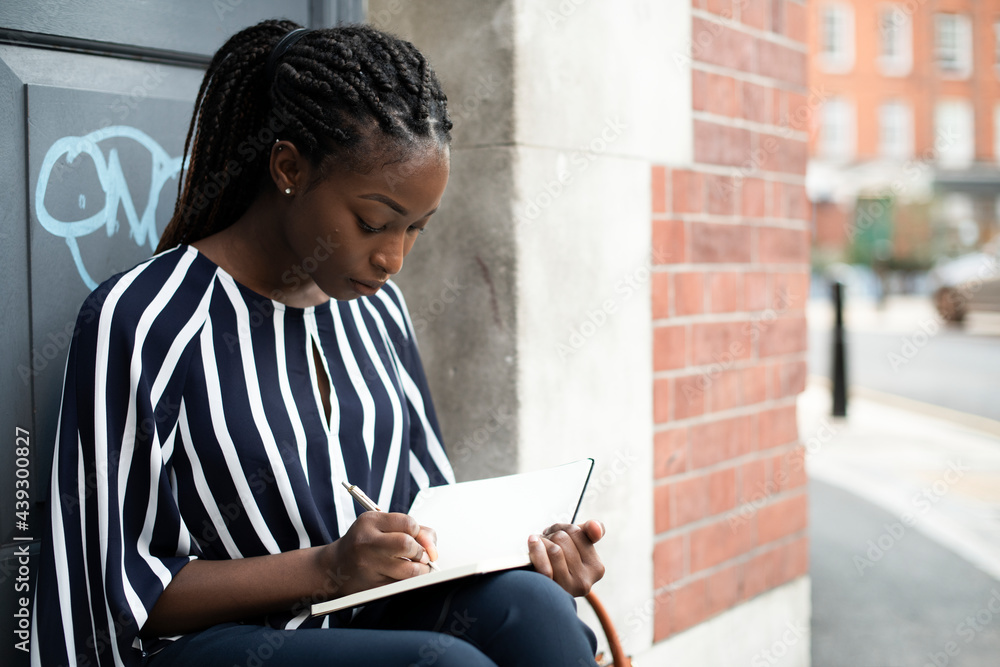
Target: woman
(217, 394)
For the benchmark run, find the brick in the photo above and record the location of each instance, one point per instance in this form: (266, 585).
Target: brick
(783, 335)
(783, 246)
(689, 397)
(781, 518)
(795, 469)
(689, 293)
(797, 113)
(722, 490)
(754, 198)
(777, 61)
(755, 102)
(669, 348)
(722, 7)
(776, 427)
(668, 560)
(660, 288)
(661, 401)
(724, 589)
(721, 440)
(661, 508)
(716, 44)
(755, 13)
(714, 93)
(662, 617)
(659, 188)
(755, 293)
(689, 500)
(722, 194)
(798, 559)
(796, 22)
(781, 154)
(715, 143)
(719, 342)
(670, 452)
(766, 571)
(688, 605)
(712, 242)
(788, 379)
(778, 16)
(790, 291)
(687, 192)
(753, 485)
(718, 542)
(668, 242)
(725, 292)
(794, 203)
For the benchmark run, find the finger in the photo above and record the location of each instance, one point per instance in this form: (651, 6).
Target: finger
(595, 530)
(557, 558)
(394, 522)
(539, 556)
(427, 538)
(572, 543)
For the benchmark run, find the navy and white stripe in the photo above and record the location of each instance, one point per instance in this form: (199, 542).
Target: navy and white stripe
(191, 426)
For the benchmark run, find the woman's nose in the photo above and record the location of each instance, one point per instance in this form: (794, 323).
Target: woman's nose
(390, 253)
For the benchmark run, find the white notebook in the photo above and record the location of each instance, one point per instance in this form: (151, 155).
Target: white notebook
(483, 526)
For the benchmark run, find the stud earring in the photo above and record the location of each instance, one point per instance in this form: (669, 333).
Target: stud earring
(288, 191)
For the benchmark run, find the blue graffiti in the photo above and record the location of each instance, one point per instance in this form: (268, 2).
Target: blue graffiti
(142, 228)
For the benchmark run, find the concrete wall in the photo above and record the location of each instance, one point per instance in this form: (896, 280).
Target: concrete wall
(543, 353)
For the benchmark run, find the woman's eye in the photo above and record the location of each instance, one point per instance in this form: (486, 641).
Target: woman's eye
(418, 230)
(368, 228)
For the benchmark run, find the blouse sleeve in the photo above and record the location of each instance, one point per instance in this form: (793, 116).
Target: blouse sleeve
(431, 466)
(116, 536)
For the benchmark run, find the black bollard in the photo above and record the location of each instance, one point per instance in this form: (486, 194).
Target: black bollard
(839, 358)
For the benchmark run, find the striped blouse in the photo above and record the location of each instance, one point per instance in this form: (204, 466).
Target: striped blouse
(192, 426)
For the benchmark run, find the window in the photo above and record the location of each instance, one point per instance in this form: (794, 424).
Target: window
(837, 45)
(895, 130)
(895, 41)
(954, 133)
(837, 136)
(953, 44)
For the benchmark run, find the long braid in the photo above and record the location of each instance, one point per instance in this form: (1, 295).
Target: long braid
(328, 90)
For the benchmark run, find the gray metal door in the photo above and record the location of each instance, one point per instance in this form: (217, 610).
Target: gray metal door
(95, 101)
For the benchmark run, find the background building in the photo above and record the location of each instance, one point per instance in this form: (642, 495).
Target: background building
(903, 158)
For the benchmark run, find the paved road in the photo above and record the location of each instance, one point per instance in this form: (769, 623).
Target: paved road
(910, 604)
(951, 368)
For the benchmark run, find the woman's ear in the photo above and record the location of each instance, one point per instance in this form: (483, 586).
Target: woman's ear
(288, 168)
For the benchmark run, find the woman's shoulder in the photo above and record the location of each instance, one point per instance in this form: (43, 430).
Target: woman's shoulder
(163, 287)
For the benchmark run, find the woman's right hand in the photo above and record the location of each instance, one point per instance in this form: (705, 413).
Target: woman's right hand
(378, 548)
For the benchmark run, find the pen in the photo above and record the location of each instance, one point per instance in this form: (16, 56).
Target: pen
(370, 506)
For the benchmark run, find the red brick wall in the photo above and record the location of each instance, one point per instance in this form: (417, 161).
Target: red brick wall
(731, 246)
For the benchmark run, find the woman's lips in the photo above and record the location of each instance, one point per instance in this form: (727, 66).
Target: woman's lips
(366, 287)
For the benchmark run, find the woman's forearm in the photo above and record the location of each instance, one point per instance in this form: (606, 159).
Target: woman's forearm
(207, 592)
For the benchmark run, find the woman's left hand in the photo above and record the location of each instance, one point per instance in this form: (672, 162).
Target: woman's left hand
(565, 553)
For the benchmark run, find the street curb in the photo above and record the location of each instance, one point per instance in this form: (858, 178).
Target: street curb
(975, 422)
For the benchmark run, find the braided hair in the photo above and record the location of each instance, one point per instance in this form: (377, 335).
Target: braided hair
(350, 95)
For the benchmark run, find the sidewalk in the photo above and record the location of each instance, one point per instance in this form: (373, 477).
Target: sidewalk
(942, 476)
(904, 535)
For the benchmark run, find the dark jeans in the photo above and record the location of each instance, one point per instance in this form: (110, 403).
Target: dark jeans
(509, 618)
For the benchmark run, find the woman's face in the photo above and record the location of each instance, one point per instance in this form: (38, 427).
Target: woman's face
(351, 231)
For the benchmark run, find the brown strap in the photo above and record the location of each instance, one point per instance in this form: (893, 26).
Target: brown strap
(618, 657)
